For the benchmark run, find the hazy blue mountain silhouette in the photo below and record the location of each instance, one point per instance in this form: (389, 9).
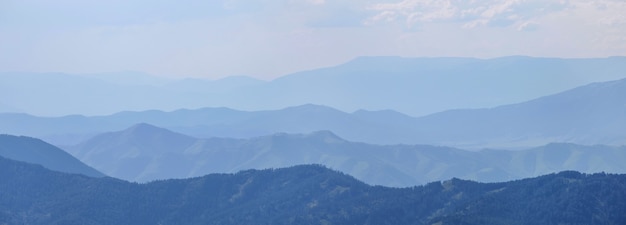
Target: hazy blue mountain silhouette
(128, 78)
(591, 114)
(53, 94)
(205, 122)
(31, 150)
(228, 84)
(144, 153)
(421, 86)
(416, 86)
(304, 195)
(588, 115)
(138, 152)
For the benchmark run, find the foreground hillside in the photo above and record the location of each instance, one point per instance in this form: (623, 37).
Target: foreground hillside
(144, 152)
(304, 195)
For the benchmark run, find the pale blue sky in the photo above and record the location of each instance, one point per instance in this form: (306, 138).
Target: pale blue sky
(270, 38)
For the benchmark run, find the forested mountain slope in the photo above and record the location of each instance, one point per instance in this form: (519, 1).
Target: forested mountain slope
(34, 195)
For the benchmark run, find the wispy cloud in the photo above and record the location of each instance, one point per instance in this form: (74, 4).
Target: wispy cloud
(469, 13)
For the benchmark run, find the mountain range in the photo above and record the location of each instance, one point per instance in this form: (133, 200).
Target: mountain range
(144, 153)
(34, 195)
(415, 86)
(589, 115)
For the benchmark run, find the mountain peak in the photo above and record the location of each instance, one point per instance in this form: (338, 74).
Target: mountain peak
(143, 136)
(148, 130)
(143, 127)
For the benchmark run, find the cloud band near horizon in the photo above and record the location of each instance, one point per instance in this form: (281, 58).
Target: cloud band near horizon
(266, 39)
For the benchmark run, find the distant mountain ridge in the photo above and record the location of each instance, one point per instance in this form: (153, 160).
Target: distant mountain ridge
(304, 195)
(98, 94)
(144, 153)
(421, 86)
(590, 114)
(587, 115)
(31, 150)
(416, 86)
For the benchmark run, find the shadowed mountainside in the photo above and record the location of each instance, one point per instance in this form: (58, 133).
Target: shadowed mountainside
(36, 151)
(304, 195)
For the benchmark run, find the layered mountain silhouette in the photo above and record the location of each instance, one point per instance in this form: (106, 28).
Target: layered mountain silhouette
(421, 86)
(31, 150)
(99, 94)
(416, 86)
(591, 114)
(32, 194)
(140, 153)
(144, 153)
(588, 115)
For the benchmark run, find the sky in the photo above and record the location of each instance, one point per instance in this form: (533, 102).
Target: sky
(266, 39)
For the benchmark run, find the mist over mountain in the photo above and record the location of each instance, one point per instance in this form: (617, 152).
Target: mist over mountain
(415, 86)
(588, 115)
(123, 78)
(32, 194)
(203, 86)
(32, 150)
(421, 86)
(65, 94)
(7, 108)
(144, 153)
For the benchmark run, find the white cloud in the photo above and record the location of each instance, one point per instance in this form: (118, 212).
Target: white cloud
(469, 13)
(527, 26)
